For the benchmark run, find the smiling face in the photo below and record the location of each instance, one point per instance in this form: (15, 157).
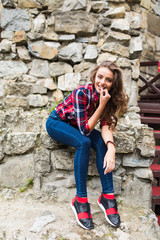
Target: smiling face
(103, 79)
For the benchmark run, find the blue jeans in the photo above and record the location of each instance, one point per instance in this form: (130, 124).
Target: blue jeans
(63, 132)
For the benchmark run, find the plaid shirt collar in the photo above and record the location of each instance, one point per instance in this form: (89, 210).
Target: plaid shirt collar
(95, 94)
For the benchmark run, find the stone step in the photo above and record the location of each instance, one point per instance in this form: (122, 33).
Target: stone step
(148, 107)
(157, 134)
(146, 120)
(156, 170)
(157, 152)
(150, 96)
(158, 216)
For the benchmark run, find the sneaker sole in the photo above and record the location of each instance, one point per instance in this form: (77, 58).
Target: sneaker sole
(80, 224)
(103, 209)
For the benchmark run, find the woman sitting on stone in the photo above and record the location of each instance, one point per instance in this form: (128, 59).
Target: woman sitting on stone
(72, 123)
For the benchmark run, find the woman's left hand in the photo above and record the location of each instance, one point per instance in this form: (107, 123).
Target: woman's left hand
(109, 161)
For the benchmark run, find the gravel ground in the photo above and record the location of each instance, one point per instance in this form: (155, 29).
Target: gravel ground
(39, 216)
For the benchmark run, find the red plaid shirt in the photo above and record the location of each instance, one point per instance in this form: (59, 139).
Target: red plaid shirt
(76, 107)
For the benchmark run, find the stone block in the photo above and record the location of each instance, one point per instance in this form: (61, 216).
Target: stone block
(36, 100)
(69, 81)
(79, 22)
(70, 5)
(23, 53)
(12, 88)
(30, 4)
(7, 35)
(117, 182)
(137, 192)
(146, 4)
(19, 170)
(19, 143)
(16, 101)
(54, 4)
(12, 68)
(40, 68)
(39, 23)
(115, 48)
(91, 53)
(124, 143)
(48, 83)
(118, 36)
(118, 12)
(59, 68)
(121, 25)
(145, 141)
(143, 173)
(5, 46)
(103, 56)
(153, 20)
(42, 161)
(44, 50)
(63, 159)
(20, 37)
(15, 19)
(8, 3)
(135, 160)
(72, 52)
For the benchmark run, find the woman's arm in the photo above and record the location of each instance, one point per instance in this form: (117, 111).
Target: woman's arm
(109, 159)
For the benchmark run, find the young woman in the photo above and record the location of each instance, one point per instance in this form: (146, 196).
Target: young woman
(72, 123)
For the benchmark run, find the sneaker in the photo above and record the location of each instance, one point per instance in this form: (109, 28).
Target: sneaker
(82, 213)
(109, 207)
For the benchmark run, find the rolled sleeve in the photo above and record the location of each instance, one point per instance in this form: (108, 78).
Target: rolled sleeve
(80, 100)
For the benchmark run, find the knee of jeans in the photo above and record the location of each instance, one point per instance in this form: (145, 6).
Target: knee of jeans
(85, 143)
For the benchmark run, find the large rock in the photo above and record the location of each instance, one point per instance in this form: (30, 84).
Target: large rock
(72, 52)
(145, 141)
(15, 19)
(153, 20)
(44, 50)
(74, 5)
(134, 160)
(137, 192)
(115, 13)
(134, 20)
(16, 101)
(63, 159)
(36, 100)
(59, 68)
(5, 46)
(12, 88)
(69, 81)
(8, 3)
(121, 25)
(19, 143)
(42, 161)
(124, 143)
(19, 170)
(12, 68)
(53, 4)
(39, 23)
(78, 22)
(115, 48)
(91, 53)
(30, 3)
(40, 68)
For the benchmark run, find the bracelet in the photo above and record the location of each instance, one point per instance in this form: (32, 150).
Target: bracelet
(111, 143)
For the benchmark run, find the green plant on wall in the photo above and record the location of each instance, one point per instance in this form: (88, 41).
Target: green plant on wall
(29, 184)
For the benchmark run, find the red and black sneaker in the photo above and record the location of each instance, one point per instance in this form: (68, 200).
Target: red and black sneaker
(109, 206)
(81, 209)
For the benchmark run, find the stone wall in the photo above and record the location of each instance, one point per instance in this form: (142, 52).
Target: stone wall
(48, 48)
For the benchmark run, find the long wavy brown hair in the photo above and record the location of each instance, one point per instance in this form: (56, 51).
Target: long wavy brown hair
(118, 102)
